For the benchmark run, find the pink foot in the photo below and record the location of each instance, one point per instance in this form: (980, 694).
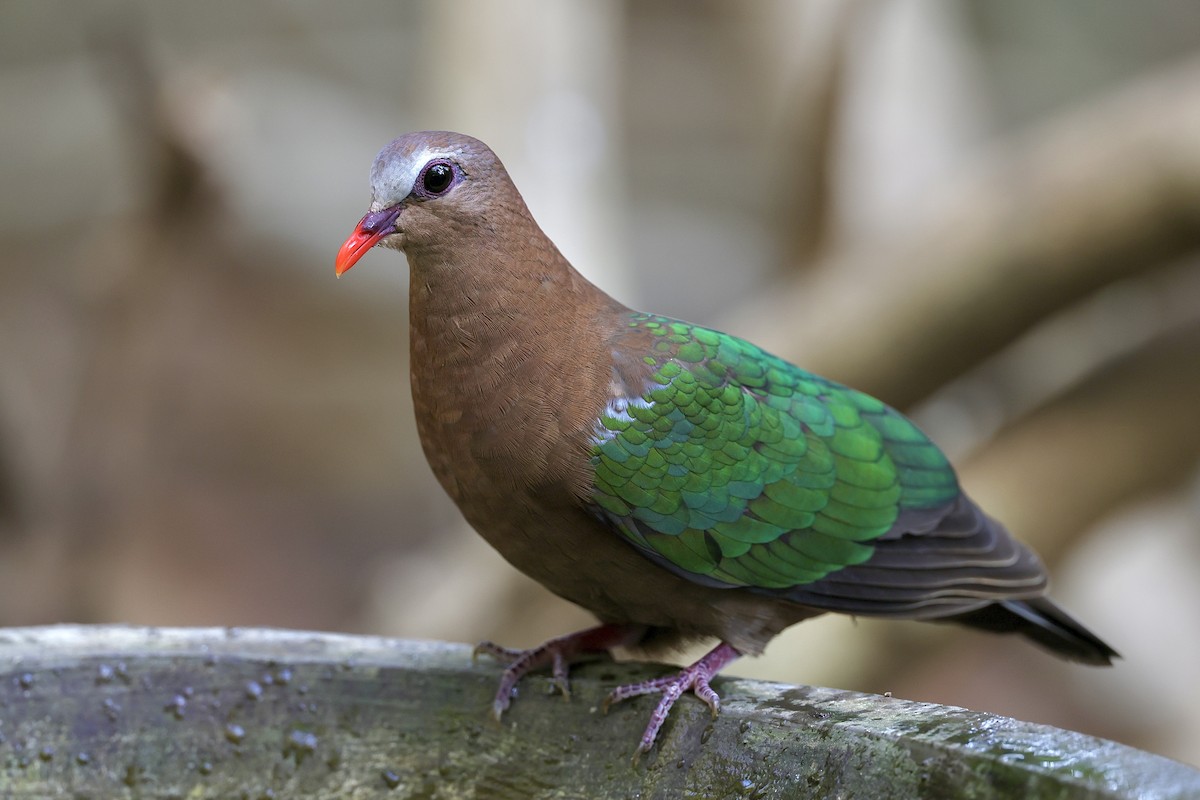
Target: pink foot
(558, 653)
(694, 678)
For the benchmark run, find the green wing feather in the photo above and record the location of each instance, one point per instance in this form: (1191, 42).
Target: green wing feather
(739, 469)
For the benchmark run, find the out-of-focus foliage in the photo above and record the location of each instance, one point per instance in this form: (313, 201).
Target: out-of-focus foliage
(970, 208)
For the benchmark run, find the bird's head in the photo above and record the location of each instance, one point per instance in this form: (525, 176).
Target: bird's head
(425, 187)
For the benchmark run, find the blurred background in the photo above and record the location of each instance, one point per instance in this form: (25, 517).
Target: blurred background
(988, 214)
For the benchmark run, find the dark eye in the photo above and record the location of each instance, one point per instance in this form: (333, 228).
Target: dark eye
(438, 177)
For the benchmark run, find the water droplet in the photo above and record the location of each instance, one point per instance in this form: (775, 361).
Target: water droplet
(104, 674)
(283, 677)
(205, 768)
(26, 680)
(391, 779)
(46, 753)
(112, 709)
(83, 759)
(235, 733)
(254, 690)
(177, 706)
(300, 745)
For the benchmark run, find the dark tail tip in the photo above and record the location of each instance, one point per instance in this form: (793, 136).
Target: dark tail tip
(1042, 621)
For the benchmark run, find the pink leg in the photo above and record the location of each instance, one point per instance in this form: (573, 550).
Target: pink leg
(558, 653)
(694, 678)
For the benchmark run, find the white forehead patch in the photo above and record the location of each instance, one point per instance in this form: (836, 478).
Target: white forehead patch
(393, 176)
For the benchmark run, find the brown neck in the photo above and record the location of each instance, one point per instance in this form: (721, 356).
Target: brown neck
(509, 354)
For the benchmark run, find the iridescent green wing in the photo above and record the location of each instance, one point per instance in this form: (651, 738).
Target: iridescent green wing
(736, 468)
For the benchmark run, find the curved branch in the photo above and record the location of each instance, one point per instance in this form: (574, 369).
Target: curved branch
(1124, 432)
(1101, 194)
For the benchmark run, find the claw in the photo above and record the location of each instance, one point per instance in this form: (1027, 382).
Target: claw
(694, 679)
(495, 651)
(560, 676)
(557, 653)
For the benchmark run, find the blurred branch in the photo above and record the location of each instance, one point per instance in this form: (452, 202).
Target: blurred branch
(174, 174)
(118, 417)
(1101, 194)
(127, 712)
(808, 146)
(10, 512)
(1125, 431)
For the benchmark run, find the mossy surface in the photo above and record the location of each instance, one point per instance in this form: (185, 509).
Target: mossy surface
(115, 712)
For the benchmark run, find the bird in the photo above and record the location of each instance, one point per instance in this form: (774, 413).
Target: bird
(679, 483)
